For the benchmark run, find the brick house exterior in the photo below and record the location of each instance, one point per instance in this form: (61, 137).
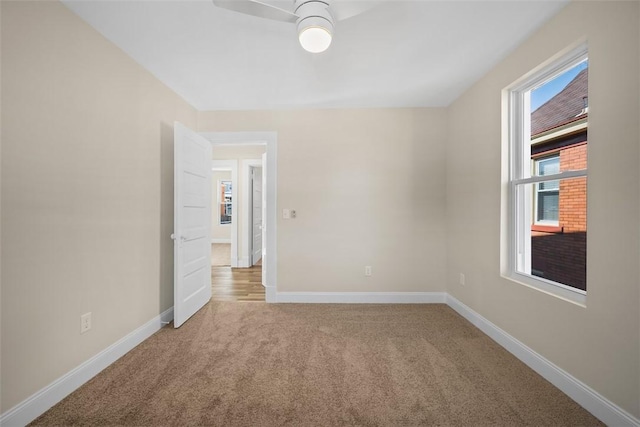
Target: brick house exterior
(559, 136)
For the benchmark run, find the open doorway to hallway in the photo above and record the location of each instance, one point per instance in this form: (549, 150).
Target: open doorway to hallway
(223, 218)
(236, 259)
(237, 284)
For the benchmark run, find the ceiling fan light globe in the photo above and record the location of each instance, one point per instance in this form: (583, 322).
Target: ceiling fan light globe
(315, 39)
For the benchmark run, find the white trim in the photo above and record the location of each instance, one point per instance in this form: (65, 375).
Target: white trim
(230, 165)
(602, 408)
(243, 262)
(555, 177)
(516, 246)
(555, 289)
(36, 405)
(362, 297)
(247, 232)
(271, 294)
(220, 241)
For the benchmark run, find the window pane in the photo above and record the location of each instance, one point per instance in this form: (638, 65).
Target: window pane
(548, 166)
(559, 252)
(548, 205)
(546, 202)
(225, 202)
(559, 112)
(549, 185)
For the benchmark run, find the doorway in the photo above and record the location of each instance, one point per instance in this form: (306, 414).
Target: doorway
(248, 252)
(256, 215)
(241, 281)
(224, 218)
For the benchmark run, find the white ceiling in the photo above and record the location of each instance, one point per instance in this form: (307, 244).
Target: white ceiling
(399, 54)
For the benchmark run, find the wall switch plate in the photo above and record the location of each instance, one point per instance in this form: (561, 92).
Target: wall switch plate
(85, 322)
(367, 270)
(462, 279)
(286, 214)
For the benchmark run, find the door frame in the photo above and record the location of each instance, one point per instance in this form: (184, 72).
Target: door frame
(270, 139)
(247, 200)
(230, 165)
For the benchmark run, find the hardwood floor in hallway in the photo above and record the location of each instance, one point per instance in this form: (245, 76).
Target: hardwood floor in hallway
(237, 284)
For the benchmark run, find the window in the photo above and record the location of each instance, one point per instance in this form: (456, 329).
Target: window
(547, 193)
(224, 201)
(547, 116)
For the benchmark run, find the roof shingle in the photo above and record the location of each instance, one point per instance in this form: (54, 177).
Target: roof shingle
(563, 108)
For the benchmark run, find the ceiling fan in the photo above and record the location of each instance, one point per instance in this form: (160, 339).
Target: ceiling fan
(315, 19)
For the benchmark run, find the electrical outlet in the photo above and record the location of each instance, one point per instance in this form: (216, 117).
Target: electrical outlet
(367, 270)
(293, 214)
(85, 322)
(462, 279)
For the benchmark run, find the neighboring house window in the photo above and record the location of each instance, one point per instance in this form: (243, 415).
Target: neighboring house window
(547, 116)
(224, 201)
(547, 193)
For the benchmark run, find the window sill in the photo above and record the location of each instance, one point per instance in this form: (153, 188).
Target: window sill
(547, 228)
(548, 287)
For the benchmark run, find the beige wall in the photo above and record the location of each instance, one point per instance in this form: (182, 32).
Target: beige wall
(239, 153)
(368, 187)
(219, 231)
(598, 344)
(87, 194)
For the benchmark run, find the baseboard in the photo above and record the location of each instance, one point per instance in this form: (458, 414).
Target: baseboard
(602, 408)
(270, 294)
(243, 262)
(220, 241)
(34, 406)
(362, 297)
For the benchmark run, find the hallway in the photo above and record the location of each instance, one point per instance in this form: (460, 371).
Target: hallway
(237, 284)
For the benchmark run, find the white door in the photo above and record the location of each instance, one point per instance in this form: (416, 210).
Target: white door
(264, 219)
(256, 203)
(192, 223)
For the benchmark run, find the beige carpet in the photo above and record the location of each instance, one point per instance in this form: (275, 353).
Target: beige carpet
(221, 254)
(260, 364)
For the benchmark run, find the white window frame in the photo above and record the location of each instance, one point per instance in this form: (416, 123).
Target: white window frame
(520, 203)
(223, 202)
(537, 191)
